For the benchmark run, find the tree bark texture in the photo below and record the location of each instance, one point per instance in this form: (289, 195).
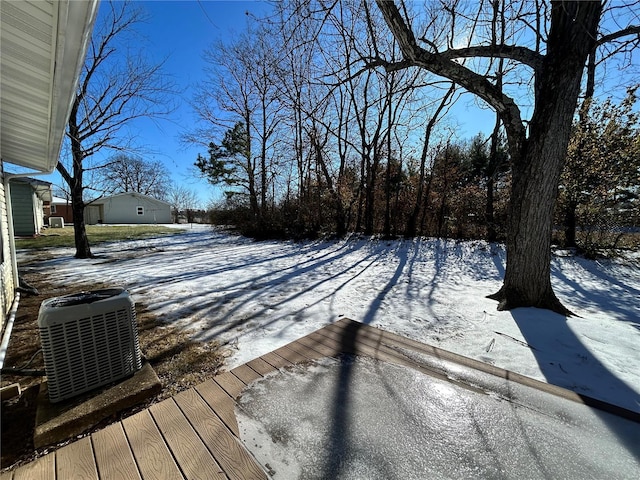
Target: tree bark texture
(83, 250)
(536, 172)
(537, 159)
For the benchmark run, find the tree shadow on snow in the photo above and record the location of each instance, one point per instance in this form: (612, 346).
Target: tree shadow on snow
(339, 439)
(257, 288)
(593, 286)
(565, 361)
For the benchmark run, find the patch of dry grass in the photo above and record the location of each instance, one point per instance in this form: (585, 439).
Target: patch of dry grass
(180, 363)
(64, 237)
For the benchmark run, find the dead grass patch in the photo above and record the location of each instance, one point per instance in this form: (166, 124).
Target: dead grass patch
(180, 363)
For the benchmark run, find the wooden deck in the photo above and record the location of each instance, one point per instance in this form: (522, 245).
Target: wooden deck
(191, 435)
(195, 433)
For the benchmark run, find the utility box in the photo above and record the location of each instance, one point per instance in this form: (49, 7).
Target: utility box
(56, 222)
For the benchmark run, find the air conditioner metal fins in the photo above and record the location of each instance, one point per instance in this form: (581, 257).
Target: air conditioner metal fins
(89, 339)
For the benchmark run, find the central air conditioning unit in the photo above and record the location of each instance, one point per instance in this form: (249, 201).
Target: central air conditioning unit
(89, 339)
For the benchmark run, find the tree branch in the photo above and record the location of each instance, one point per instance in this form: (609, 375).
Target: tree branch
(62, 170)
(523, 55)
(446, 67)
(630, 30)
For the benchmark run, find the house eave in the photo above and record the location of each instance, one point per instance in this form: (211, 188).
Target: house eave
(43, 49)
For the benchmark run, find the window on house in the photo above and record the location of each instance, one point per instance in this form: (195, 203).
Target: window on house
(140, 210)
(53, 209)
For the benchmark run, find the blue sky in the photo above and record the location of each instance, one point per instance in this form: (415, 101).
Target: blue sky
(180, 31)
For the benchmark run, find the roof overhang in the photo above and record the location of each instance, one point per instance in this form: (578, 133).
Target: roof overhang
(43, 46)
(41, 188)
(133, 195)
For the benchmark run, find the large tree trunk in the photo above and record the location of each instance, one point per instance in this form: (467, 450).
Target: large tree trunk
(527, 279)
(538, 164)
(83, 250)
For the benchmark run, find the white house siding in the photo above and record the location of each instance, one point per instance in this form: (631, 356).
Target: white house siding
(129, 208)
(43, 48)
(7, 291)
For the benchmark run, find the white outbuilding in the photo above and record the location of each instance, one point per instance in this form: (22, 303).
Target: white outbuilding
(127, 208)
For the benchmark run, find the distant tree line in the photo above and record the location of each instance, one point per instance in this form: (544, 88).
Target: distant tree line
(305, 140)
(599, 194)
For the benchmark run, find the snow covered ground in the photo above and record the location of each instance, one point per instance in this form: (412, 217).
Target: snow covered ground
(257, 296)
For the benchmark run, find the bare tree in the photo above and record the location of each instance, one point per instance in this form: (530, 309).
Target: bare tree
(537, 148)
(127, 173)
(419, 200)
(184, 201)
(117, 85)
(238, 101)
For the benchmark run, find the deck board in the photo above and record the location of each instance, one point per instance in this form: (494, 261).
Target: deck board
(44, 468)
(374, 348)
(291, 355)
(194, 458)
(221, 403)
(276, 360)
(308, 352)
(398, 342)
(327, 349)
(152, 455)
(76, 461)
(113, 454)
(227, 450)
(246, 373)
(261, 366)
(230, 383)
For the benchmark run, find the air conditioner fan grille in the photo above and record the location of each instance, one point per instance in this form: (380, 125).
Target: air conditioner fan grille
(86, 346)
